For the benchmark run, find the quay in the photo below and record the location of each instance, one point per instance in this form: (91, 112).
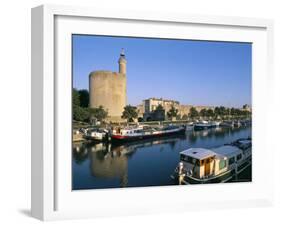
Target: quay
(126, 132)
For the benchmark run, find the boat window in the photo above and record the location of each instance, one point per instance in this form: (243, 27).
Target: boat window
(189, 159)
(231, 161)
(239, 157)
(222, 164)
(183, 158)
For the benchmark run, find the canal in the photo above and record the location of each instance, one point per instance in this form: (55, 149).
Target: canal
(143, 163)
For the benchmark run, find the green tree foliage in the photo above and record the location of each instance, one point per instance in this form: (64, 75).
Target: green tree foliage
(217, 111)
(193, 113)
(84, 98)
(130, 113)
(79, 103)
(231, 112)
(184, 117)
(75, 97)
(159, 108)
(203, 112)
(80, 114)
(99, 113)
(159, 113)
(173, 112)
(210, 112)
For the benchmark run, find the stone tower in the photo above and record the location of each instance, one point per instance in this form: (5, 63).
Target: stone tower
(108, 89)
(122, 63)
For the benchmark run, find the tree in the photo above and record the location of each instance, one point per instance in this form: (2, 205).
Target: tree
(159, 113)
(247, 113)
(223, 111)
(210, 112)
(233, 111)
(80, 114)
(84, 98)
(99, 113)
(130, 113)
(203, 112)
(75, 97)
(159, 108)
(184, 117)
(193, 113)
(173, 112)
(217, 112)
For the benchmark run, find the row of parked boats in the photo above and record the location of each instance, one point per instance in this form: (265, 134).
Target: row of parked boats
(213, 124)
(140, 132)
(132, 133)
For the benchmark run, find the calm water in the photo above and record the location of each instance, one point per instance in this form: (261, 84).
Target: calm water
(145, 163)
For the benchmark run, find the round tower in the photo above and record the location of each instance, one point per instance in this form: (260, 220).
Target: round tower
(122, 62)
(108, 89)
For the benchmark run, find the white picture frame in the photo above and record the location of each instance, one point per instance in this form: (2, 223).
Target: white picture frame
(52, 197)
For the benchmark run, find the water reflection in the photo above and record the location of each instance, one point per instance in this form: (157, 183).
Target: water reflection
(109, 164)
(141, 163)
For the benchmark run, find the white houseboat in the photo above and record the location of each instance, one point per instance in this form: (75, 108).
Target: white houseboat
(200, 165)
(96, 134)
(206, 125)
(144, 132)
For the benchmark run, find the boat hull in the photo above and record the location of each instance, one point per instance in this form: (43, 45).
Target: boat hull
(227, 176)
(219, 179)
(203, 127)
(123, 138)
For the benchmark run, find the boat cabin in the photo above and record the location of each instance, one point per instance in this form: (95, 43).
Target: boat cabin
(198, 161)
(230, 154)
(203, 163)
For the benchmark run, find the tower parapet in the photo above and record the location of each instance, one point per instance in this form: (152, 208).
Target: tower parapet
(122, 62)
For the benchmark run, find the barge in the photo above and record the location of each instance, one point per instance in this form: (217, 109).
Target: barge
(221, 164)
(97, 135)
(145, 132)
(206, 125)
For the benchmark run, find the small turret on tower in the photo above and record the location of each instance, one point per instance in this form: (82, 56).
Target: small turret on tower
(122, 62)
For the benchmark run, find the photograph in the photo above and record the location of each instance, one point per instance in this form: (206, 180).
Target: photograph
(160, 112)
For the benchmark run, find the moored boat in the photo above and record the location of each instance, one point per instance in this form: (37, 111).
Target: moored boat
(97, 134)
(189, 126)
(221, 164)
(228, 124)
(204, 125)
(237, 123)
(144, 132)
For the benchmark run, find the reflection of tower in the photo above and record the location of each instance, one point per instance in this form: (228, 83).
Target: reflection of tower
(110, 165)
(122, 62)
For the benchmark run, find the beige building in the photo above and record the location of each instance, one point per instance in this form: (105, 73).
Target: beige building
(152, 103)
(149, 105)
(108, 89)
(140, 110)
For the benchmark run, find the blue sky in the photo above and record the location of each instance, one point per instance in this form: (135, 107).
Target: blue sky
(192, 72)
